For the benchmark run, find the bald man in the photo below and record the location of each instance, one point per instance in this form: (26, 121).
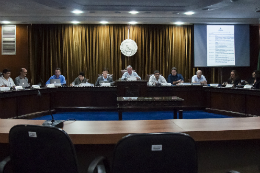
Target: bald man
(23, 73)
(199, 78)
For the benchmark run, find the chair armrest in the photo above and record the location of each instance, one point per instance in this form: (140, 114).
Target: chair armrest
(99, 161)
(3, 163)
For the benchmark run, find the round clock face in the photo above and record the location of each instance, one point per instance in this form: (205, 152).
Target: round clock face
(128, 47)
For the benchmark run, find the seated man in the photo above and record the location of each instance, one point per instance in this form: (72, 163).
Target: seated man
(234, 79)
(80, 79)
(130, 73)
(199, 78)
(175, 78)
(104, 78)
(23, 73)
(156, 79)
(57, 76)
(6, 80)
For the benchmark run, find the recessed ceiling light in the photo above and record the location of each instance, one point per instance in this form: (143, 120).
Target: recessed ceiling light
(5, 22)
(189, 13)
(103, 22)
(133, 12)
(178, 23)
(75, 22)
(77, 12)
(132, 22)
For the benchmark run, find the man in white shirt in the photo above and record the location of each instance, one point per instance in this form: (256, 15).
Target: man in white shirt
(156, 79)
(199, 78)
(6, 80)
(130, 73)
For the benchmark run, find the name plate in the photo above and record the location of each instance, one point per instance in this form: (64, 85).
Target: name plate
(166, 84)
(18, 88)
(50, 85)
(131, 78)
(4, 88)
(229, 85)
(105, 84)
(184, 84)
(248, 86)
(36, 86)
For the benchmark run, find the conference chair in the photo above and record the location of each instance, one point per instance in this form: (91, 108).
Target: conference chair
(109, 75)
(40, 149)
(123, 71)
(154, 153)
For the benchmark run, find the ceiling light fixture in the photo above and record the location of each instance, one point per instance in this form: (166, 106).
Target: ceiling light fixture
(132, 22)
(77, 12)
(75, 22)
(133, 12)
(178, 23)
(103, 22)
(189, 13)
(5, 22)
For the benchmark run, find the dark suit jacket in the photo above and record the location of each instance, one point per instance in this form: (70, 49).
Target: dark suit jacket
(257, 85)
(235, 82)
(99, 79)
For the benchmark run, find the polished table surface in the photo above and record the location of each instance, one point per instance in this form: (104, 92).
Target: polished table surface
(110, 132)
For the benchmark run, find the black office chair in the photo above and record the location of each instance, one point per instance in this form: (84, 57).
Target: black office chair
(40, 149)
(154, 153)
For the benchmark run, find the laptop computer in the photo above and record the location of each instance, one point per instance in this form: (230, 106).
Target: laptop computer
(54, 81)
(23, 83)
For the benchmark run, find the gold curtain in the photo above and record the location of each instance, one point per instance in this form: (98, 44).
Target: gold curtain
(90, 48)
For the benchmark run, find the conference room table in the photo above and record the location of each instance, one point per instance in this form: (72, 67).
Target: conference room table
(37, 102)
(222, 144)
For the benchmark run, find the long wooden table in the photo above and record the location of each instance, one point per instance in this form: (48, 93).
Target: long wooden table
(110, 132)
(19, 104)
(222, 144)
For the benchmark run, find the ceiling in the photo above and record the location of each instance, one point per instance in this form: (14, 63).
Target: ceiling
(117, 12)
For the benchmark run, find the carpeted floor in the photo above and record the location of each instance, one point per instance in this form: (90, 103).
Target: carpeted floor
(110, 116)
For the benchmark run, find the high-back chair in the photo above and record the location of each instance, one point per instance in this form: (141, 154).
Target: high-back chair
(123, 71)
(155, 153)
(41, 149)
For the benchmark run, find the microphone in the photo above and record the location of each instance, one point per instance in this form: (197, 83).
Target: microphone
(39, 94)
(53, 123)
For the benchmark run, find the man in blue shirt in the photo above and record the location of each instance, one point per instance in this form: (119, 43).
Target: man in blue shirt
(57, 76)
(175, 78)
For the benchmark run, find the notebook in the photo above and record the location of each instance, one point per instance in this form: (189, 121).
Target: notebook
(55, 81)
(23, 83)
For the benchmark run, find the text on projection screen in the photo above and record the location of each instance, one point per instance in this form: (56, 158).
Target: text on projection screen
(220, 45)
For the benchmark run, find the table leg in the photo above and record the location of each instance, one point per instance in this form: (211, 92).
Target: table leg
(180, 114)
(119, 115)
(174, 114)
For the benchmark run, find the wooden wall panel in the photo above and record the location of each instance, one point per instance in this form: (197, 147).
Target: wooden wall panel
(21, 59)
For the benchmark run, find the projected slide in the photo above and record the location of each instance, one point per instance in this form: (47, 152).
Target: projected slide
(220, 45)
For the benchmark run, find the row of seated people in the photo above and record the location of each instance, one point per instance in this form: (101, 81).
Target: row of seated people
(156, 79)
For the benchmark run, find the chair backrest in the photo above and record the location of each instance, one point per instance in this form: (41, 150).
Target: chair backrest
(41, 149)
(109, 75)
(154, 153)
(123, 71)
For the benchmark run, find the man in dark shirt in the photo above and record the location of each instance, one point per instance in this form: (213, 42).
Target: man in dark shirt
(175, 78)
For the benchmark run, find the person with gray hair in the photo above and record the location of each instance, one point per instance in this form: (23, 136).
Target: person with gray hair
(130, 73)
(199, 78)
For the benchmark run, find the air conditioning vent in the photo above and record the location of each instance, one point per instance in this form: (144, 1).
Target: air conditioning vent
(8, 39)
